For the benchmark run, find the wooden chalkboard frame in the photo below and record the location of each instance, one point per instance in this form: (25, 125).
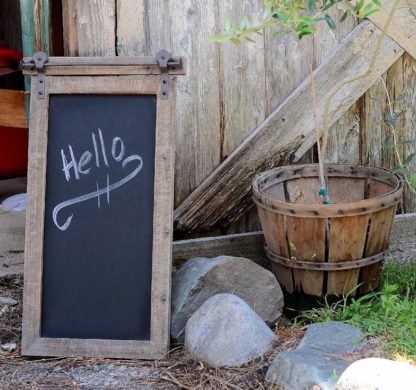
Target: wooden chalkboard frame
(110, 76)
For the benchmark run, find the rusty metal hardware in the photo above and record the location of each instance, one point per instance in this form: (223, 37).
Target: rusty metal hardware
(40, 59)
(163, 59)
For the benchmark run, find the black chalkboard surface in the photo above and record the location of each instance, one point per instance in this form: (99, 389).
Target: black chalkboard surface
(98, 217)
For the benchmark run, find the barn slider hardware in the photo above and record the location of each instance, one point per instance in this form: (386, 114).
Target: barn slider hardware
(162, 64)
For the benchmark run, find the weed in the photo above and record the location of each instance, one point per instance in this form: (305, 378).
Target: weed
(389, 312)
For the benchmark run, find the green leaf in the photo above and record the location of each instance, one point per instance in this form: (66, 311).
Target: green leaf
(284, 18)
(359, 5)
(409, 158)
(399, 99)
(249, 39)
(344, 16)
(370, 13)
(390, 118)
(330, 22)
(377, 3)
(236, 41)
(311, 6)
(228, 25)
(244, 23)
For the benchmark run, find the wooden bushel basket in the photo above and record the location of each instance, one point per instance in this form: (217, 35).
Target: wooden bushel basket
(321, 250)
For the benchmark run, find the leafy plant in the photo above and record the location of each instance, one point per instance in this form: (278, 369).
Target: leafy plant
(389, 313)
(301, 17)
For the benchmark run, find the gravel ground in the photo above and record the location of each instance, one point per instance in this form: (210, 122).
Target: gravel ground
(176, 370)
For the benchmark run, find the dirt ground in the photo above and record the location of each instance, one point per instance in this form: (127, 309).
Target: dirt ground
(176, 370)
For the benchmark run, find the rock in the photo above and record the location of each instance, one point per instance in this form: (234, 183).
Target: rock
(317, 361)
(7, 301)
(225, 331)
(330, 337)
(201, 278)
(9, 347)
(4, 309)
(378, 374)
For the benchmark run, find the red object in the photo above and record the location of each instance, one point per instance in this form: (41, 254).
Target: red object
(13, 151)
(13, 140)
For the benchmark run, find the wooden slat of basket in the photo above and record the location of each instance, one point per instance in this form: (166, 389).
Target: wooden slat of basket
(378, 241)
(304, 191)
(12, 109)
(346, 242)
(276, 192)
(274, 228)
(343, 190)
(378, 188)
(306, 238)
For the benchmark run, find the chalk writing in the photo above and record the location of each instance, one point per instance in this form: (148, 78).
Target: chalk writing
(81, 167)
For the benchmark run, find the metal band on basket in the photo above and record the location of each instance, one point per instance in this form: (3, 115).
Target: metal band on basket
(309, 265)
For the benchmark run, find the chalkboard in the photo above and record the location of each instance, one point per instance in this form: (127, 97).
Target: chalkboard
(99, 217)
(97, 262)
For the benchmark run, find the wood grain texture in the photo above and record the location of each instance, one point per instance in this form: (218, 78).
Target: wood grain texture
(12, 111)
(409, 93)
(198, 113)
(347, 236)
(344, 138)
(403, 26)
(376, 143)
(306, 238)
(249, 245)
(156, 347)
(286, 134)
(132, 31)
(89, 27)
(378, 241)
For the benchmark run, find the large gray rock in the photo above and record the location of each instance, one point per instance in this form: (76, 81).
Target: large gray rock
(318, 358)
(378, 374)
(201, 278)
(225, 331)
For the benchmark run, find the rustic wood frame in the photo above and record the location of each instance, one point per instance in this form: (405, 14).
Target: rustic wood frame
(87, 80)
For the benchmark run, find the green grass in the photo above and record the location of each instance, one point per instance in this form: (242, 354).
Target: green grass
(389, 312)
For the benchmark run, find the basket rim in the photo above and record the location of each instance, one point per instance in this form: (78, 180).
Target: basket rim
(288, 172)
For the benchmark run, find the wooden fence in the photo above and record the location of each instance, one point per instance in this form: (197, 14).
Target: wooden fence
(240, 110)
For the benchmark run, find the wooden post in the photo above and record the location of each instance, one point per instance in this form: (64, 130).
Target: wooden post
(36, 31)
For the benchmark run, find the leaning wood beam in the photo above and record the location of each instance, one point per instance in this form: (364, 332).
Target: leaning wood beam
(287, 133)
(403, 27)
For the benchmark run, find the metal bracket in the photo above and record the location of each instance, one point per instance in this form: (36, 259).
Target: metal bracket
(164, 60)
(40, 59)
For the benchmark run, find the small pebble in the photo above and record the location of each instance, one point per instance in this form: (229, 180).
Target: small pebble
(9, 347)
(8, 301)
(4, 310)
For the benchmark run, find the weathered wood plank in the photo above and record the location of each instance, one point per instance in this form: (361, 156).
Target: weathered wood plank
(36, 26)
(248, 245)
(131, 28)
(241, 67)
(409, 74)
(287, 133)
(403, 26)
(12, 111)
(344, 138)
(89, 27)
(198, 113)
